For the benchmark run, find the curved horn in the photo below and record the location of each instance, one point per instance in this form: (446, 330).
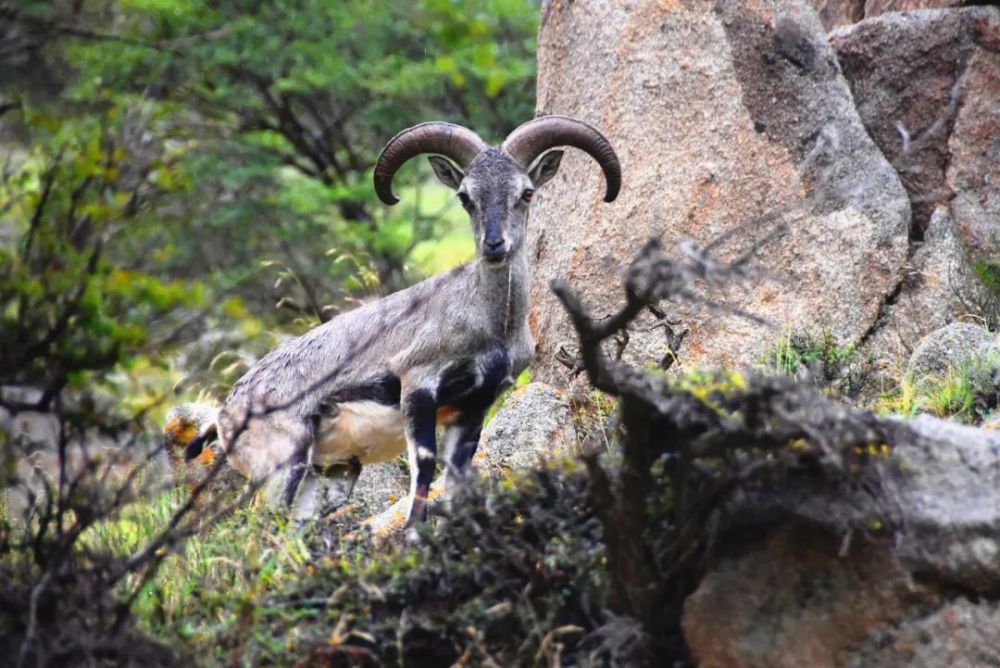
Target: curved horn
(529, 140)
(452, 141)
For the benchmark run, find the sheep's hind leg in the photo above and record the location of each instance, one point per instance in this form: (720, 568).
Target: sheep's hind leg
(324, 489)
(293, 483)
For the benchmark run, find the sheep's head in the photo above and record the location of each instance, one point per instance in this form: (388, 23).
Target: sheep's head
(496, 184)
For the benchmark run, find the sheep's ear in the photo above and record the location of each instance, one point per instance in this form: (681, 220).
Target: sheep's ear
(447, 173)
(545, 168)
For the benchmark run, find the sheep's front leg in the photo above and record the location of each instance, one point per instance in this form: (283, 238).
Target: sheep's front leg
(419, 410)
(293, 483)
(462, 440)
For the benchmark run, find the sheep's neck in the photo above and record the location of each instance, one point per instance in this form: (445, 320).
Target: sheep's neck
(506, 289)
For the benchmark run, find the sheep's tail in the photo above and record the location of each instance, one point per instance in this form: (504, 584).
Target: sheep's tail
(188, 429)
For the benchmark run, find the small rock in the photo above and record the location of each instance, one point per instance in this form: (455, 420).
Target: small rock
(393, 519)
(378, 487)
(949, 347)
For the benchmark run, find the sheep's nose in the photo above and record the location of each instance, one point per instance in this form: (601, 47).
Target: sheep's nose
(494, 251)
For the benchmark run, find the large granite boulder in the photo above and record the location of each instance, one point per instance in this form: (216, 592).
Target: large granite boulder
(726, 116)
(814, 575)
(926, 85)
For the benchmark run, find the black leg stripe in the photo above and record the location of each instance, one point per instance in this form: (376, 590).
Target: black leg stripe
(421, 416)
(292, 483)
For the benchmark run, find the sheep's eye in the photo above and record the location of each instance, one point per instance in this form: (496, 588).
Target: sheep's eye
(464, 199)
(527, 195)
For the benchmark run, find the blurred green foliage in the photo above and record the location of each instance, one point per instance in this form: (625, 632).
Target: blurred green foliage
(69, 302)
(282, 107)
(988, 274)
(172, 167)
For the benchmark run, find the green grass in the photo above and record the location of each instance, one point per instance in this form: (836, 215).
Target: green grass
(202, 587)
(798, 352)
(967, 393)
(988, 275)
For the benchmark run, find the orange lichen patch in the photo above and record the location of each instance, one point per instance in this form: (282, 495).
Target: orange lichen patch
(516, 395)
(343, 511)
(695, 349)
(768, 297)
(394, 520)
(703, 207)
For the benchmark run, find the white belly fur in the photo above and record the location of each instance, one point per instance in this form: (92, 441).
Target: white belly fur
(367, 430)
